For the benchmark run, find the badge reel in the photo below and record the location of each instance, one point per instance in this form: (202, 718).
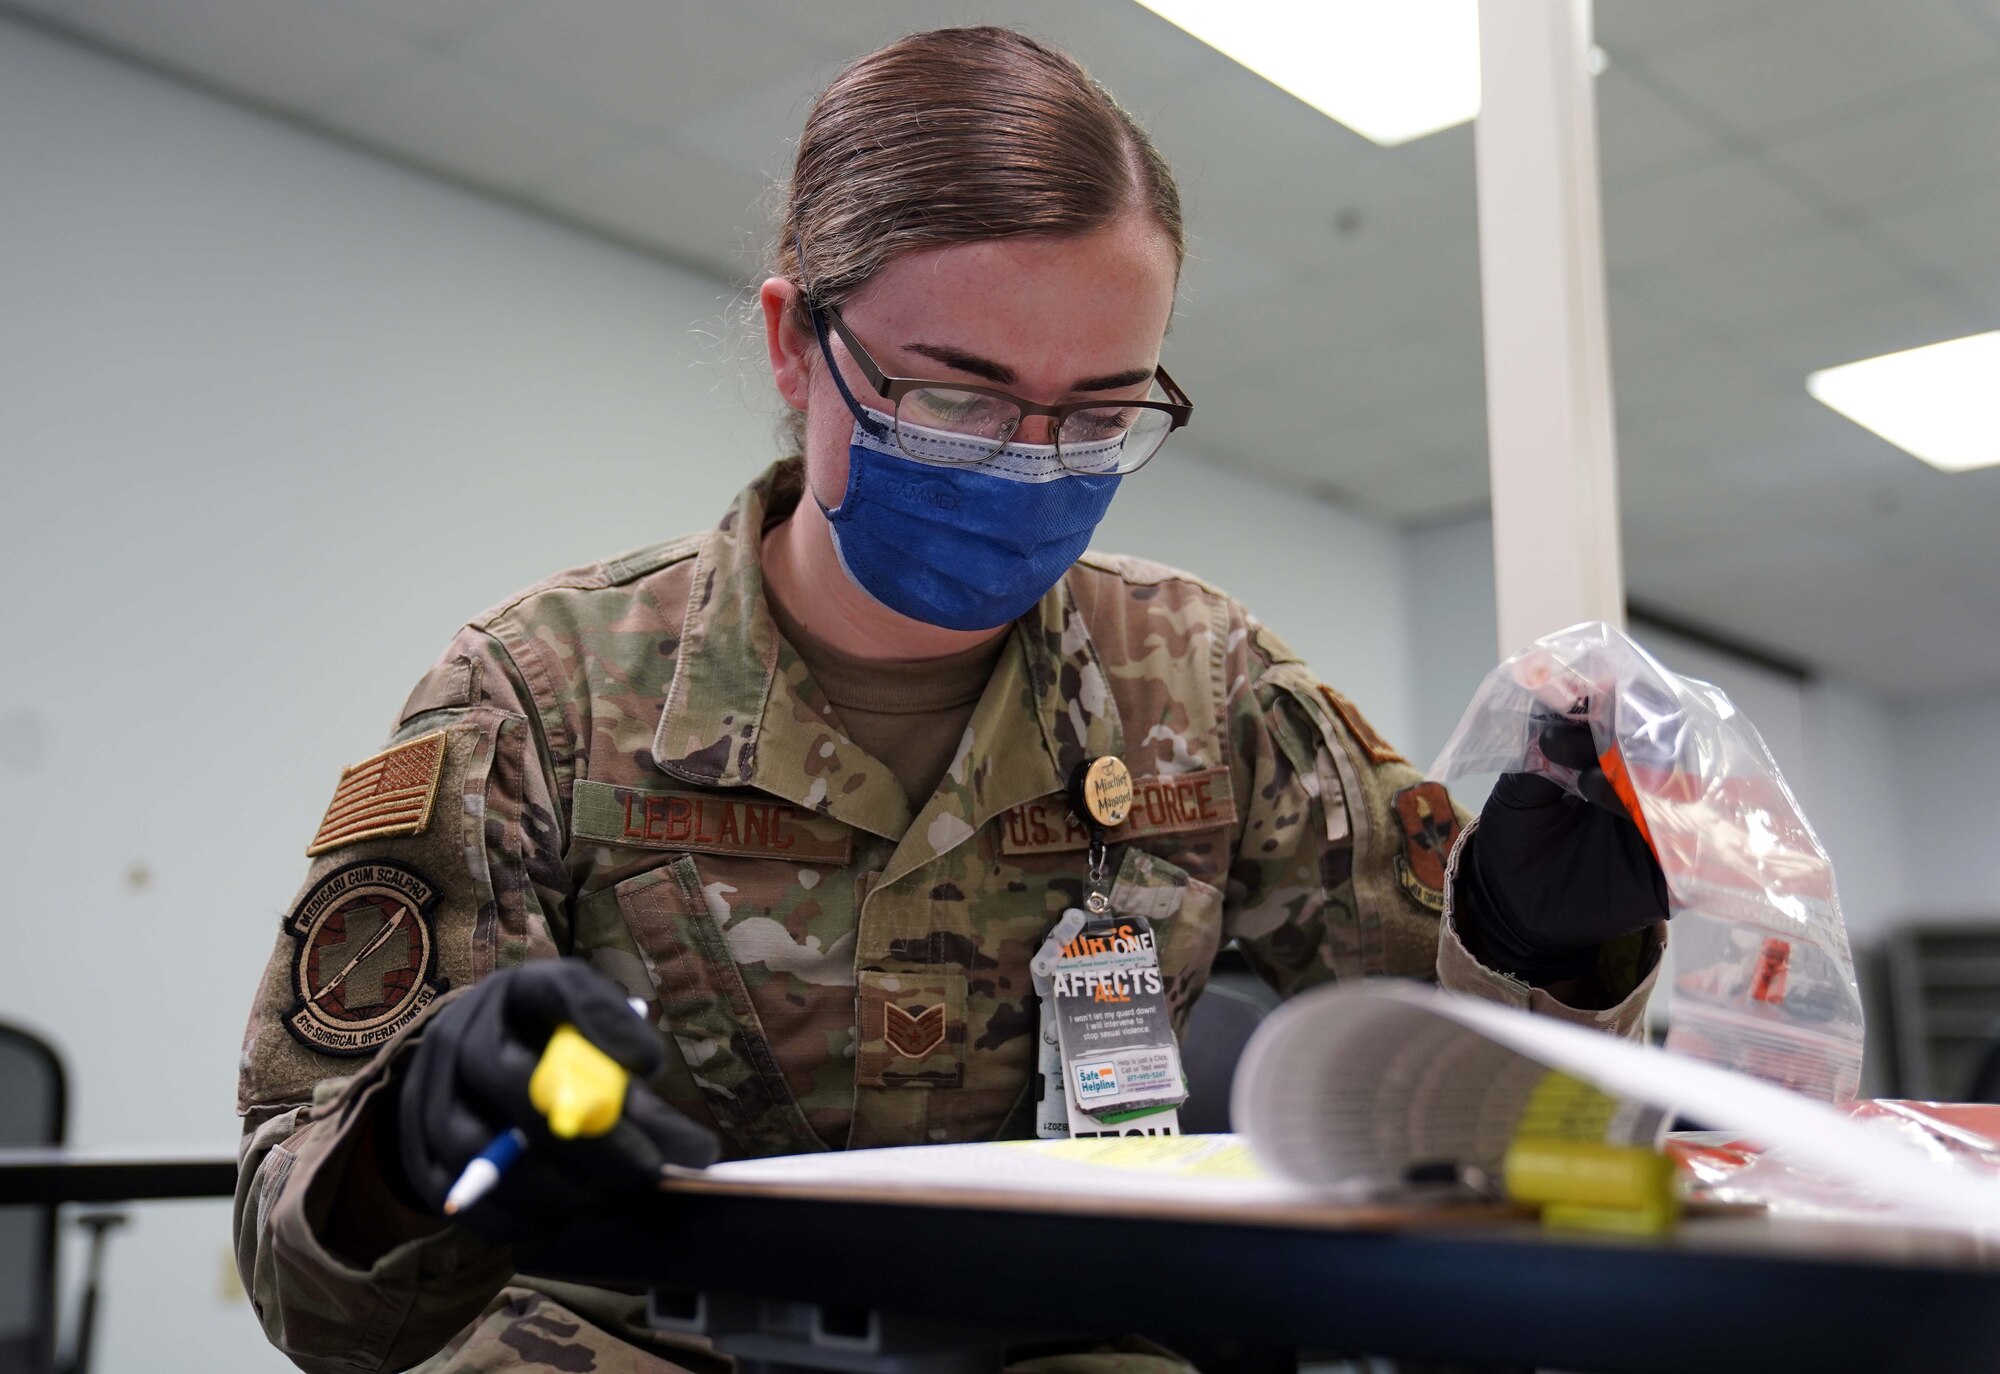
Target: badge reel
(1107, 1061)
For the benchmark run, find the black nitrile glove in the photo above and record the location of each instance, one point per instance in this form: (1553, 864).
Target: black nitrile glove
(1548, 876)
(468, 1082)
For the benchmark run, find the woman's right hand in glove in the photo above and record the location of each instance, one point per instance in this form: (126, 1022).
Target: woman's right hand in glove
(468, 1082)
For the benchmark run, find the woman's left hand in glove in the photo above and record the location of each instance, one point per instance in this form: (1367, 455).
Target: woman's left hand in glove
(1548, 876)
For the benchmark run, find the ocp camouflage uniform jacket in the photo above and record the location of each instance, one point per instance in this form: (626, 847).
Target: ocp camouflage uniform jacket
(627, 763)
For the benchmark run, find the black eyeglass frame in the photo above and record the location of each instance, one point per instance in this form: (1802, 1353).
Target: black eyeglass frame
(1179, 410)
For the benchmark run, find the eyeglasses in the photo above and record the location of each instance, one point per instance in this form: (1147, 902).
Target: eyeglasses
(955, 422)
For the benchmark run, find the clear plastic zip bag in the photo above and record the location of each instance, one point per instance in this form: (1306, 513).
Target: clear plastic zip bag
(1763, 977)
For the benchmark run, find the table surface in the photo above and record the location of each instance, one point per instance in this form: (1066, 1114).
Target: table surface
(1727, 1292)
(85, 1175)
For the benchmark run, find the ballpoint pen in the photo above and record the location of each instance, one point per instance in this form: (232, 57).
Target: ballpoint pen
(579, 1089)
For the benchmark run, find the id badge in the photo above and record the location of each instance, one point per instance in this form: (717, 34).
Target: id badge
(1146, 1121)
(1052, 1115)
(1116, 1037)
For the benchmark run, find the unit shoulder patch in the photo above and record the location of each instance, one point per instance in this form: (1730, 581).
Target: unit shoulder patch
(388, 794)
(1430, 829)
(364, 957)
(1373, 745)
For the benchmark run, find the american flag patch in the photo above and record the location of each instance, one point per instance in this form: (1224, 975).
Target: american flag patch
(389, 794)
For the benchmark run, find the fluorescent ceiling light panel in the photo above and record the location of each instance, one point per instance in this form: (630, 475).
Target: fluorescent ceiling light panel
(1391, 70)
(1940, 402)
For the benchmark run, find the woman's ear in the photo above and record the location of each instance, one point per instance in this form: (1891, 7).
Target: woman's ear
(790, 347)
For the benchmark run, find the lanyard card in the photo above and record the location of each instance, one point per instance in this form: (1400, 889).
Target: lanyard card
(1148, 1121)
(1119, 1054)
(1052, 1114)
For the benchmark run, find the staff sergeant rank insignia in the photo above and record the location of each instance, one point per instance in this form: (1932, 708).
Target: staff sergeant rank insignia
(366, 960)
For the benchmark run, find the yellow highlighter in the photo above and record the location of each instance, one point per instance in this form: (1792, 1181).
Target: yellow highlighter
(1561, 1162)
(1583, 1185)
(578, 1089)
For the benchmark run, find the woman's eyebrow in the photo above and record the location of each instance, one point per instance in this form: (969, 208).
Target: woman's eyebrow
(1002, 375)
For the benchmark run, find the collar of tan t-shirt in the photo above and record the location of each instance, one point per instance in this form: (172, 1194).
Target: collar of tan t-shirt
(911, 716)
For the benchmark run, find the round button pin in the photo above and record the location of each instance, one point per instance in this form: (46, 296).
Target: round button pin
(1103, 792)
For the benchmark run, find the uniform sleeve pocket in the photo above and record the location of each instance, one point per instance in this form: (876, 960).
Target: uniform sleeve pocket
(707, 1008)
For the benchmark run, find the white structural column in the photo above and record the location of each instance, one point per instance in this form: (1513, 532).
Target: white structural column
(1548, 373)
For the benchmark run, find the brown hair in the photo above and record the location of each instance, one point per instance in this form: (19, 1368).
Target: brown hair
(954, 136)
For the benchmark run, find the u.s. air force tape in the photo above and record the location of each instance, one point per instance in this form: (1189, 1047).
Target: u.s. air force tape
(364, 957)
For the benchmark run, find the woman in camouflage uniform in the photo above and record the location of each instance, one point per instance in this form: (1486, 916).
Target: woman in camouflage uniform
(797, 783)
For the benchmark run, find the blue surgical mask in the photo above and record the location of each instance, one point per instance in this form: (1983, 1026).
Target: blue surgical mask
(963, 545)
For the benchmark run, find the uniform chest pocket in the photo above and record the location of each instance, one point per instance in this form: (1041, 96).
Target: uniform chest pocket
(1186, 916)
(683, 929)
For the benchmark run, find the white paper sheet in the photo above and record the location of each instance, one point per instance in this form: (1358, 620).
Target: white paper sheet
(1216, 1168)
(1362, 1080)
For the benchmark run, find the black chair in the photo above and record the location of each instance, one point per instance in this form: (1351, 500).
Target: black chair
(1985, 1084)
(34, 1107)
(1221, 1024)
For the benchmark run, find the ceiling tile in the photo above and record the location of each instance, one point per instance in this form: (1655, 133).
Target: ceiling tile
(1687, 214)
(1444, 158)
(1639, 133)
(1644, 26)
(1215, 281)
(657, 192)
(1929, 141)
(1342, 336)
(1144, 60)
(1130, 49)
(1304, 174)
(1690, 389)
(1845, 329)
(292, 55)
(1955, 234)
(1645, 327)
(757, 128)
(436, 22)
(1805, 61)
(478, 123)
(640, 62)
(1732, 288)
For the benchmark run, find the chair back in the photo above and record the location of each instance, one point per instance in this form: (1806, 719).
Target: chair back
(1220, 1025)
(34, 1102)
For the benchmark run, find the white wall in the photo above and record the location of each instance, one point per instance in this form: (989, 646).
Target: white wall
(276, 418)
(1947, 757)
(1448, 573)
(1327, 581)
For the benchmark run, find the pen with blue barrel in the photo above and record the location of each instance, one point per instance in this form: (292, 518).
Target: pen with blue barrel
(579, 1089)
(476, 1180)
